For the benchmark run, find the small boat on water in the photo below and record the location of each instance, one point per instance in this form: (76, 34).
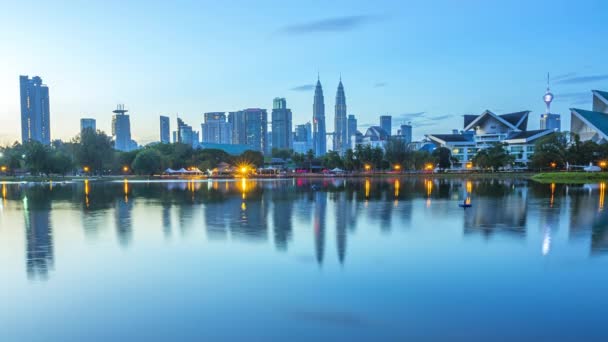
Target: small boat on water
(465, 204)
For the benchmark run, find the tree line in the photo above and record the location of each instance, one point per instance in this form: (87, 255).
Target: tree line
(93, 152)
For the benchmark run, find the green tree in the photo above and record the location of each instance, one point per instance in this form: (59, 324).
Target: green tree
(332, 160)
(281, 153)
(443, 157)
(253, 157)
(93, 149)
(493, 157)
(552, 148)
(147, 161)
(37, 157)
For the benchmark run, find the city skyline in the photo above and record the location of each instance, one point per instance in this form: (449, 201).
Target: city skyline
(424, 64)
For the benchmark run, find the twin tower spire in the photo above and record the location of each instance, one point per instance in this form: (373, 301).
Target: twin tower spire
(340, 138)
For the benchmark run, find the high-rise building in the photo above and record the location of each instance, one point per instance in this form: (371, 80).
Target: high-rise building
(121, 129)
(351, 126)
(180, 124)
(215, 129)
(35, 110)
(186, 135)
(549, 120)
(87, 123)
(239, 127)
(302, 142)
(340, 124)
(256, 128)
(318, 119)
(405, 132)
(281, 124)
(386, 123)
(165, 129)
(250, 127)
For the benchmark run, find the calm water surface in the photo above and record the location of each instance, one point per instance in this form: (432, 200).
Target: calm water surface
(389, 259)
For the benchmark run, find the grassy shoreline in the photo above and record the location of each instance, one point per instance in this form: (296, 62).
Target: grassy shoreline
(570, 177)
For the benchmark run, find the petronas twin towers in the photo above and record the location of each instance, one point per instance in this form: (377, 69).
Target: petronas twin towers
(340, 137)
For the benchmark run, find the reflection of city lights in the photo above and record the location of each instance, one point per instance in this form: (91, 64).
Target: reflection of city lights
(368, 185)
(126, 190)
(602, 195)
(51, 185)
(469, 187)
(429, 187)
(552, 195)
(86, 187)
(4, 191)
(546, 241)
(397, 187)
(243, 206)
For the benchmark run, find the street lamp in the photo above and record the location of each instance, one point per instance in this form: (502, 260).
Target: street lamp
(603, 164)
(3, 168)
(428, 166)
(397, 167)
(125, 169)
(367, 167)
(86, 169)
(554, 165)
(469, 165)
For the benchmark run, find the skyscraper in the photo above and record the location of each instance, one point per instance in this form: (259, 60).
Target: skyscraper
(302, 142)
(215, 129)
(351, 126)
(340, 126)
(239, 127)
(87, 123)
(386, 123)
(405, 132)
(256, 128)
(281, 124)
(165, 129)
(35, 117)
(250, 127)
(121, 129)
(318, 119)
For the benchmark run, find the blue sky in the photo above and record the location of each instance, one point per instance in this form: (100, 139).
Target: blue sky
(428, 62)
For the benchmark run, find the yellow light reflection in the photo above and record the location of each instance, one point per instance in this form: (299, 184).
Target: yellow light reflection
(368, 185)
(429, 191)
(86, 192)
(126, 190)
(552, 195)
(243, 206)
(602, 195)
(4, 191)
(469, 187)
(397, 187)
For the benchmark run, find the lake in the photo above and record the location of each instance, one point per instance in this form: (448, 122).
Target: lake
(295, 259)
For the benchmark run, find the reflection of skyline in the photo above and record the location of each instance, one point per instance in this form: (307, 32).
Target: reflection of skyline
(505, 212)
(39, 243)
(320, 206)
(274, 211)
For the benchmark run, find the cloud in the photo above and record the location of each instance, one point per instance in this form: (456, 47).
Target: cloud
(563, 76)
(304, 87)
(440, 117)
(380, 85)
(335, 24)
(410, 116)
(582, 79)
